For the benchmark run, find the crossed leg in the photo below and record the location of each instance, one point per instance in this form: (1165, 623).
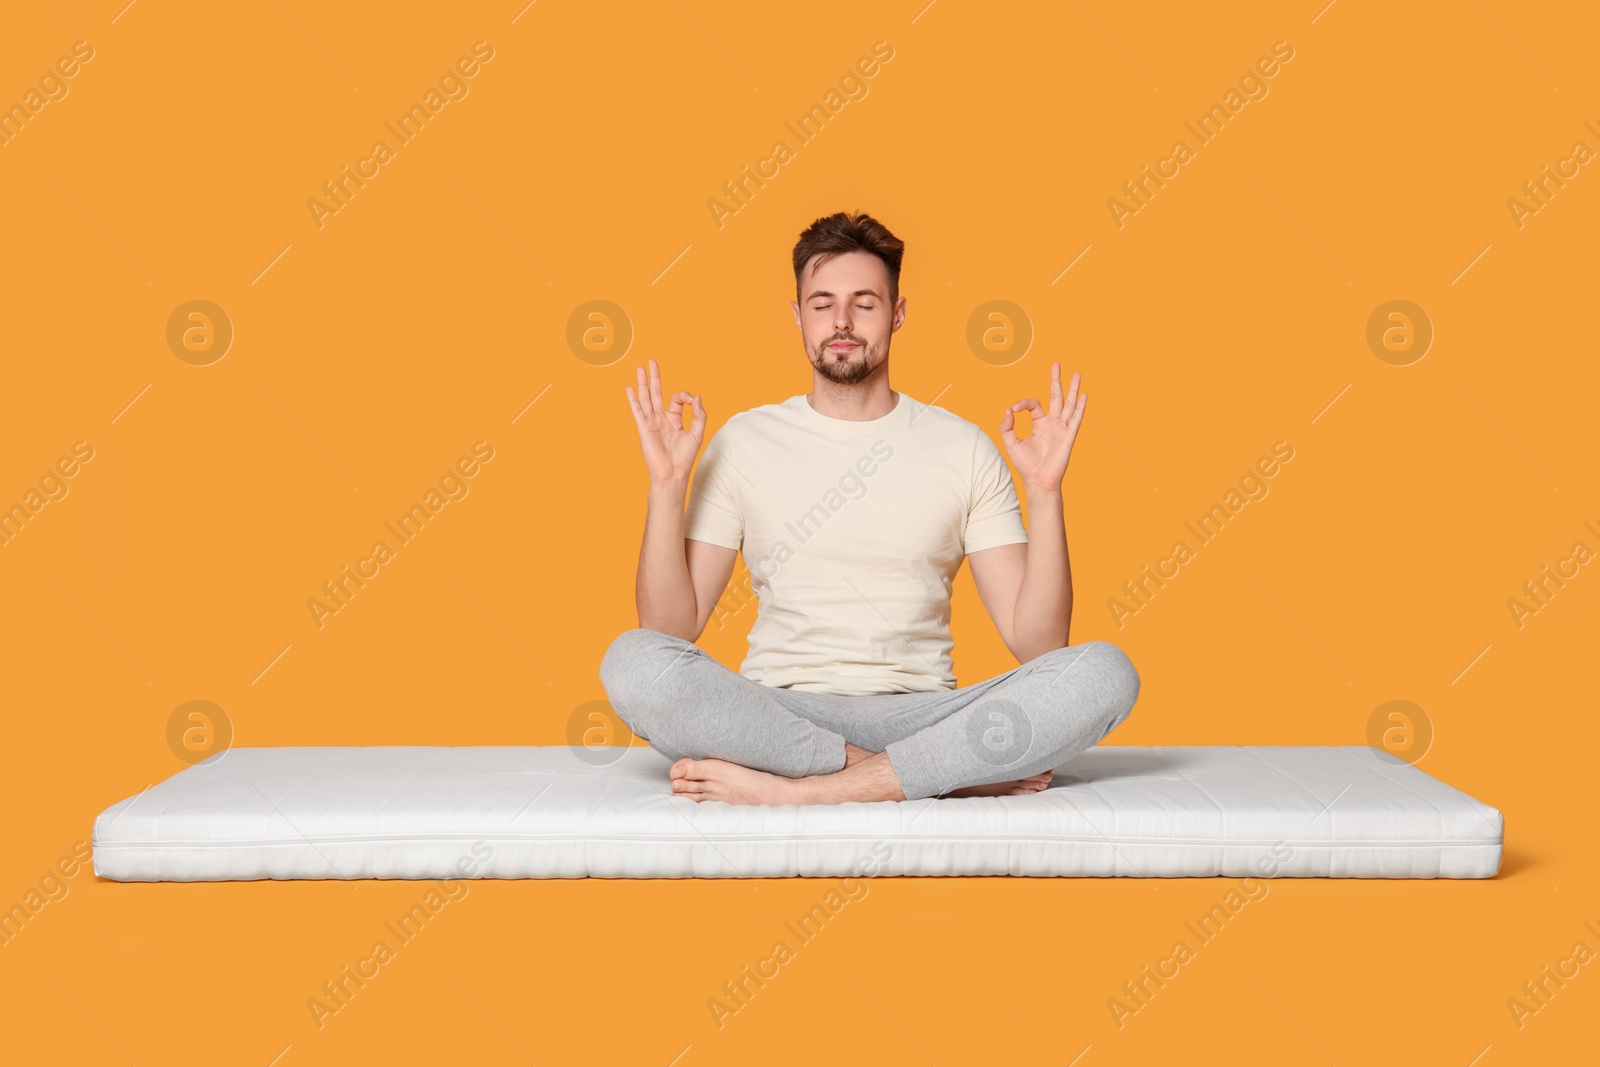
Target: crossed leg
(737, 740)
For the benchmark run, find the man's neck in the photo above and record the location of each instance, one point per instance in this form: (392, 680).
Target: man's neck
(865, 400)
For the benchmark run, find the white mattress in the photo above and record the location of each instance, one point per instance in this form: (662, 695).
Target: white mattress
(548, 812)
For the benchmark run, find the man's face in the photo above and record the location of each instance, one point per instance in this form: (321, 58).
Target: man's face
(845, 317)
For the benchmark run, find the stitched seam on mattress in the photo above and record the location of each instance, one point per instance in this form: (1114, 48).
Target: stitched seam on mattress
(170, 802)
(1254, 751)
(909, 839)
(1372, 768)
(410, 777)
(1094, 789)
(1221, 813)
(1394, 780)
(1175, 769)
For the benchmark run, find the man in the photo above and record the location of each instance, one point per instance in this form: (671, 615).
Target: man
(854, 506)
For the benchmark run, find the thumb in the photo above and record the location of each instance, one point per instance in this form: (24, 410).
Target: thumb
(1008, 434)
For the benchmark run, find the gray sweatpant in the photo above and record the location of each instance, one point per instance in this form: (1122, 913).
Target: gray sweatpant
(1032, 718)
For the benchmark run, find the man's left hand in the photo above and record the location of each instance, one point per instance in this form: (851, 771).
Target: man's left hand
(1041, 458)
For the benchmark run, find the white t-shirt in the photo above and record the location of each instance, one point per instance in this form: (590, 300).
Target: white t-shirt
(853, 533)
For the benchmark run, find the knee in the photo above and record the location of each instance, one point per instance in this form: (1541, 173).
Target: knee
(623, 667)
(1116, 679)
(621, 657)
(633, 673)
(1105, 671)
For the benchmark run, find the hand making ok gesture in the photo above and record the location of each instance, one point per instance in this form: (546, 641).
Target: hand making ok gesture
(669, 449)
(1041, 458)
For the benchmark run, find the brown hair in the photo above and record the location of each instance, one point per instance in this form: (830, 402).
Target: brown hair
(849, 232)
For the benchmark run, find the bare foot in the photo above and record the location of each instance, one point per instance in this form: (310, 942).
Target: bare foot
(867, 776)
(1034, 783)
(715, 779)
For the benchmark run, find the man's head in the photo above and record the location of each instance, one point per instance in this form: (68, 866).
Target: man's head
(847, 289)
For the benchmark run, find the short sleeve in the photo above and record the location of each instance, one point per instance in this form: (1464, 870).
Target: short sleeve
(714, 514)
(994, 517)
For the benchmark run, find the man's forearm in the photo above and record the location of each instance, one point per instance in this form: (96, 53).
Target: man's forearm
(1043, 615)
(664, 593)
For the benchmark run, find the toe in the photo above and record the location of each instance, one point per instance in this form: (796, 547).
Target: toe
(697, 770)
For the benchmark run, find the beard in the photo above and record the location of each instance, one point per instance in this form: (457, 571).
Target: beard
(845, 369)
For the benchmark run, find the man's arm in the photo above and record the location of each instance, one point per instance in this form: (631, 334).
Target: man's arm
(1027, 589)
(679, 581)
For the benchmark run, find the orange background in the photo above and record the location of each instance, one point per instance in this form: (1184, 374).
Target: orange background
(431, 310)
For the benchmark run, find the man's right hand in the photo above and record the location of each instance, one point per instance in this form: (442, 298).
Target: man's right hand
(669, 449)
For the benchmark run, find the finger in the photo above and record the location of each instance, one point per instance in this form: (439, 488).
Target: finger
(1075, 419)
(1032, 406)
(633, 403)
(655, 386)
(1007, 432)
(1072, 393)
(1055, 389)
(676, 408)
(698, 426)
(644, 392)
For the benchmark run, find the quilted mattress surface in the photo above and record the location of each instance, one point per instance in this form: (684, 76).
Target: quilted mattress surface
(558, 812)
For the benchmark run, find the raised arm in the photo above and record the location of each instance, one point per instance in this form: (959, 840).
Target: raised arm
(679, 581)
(1027, 589)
